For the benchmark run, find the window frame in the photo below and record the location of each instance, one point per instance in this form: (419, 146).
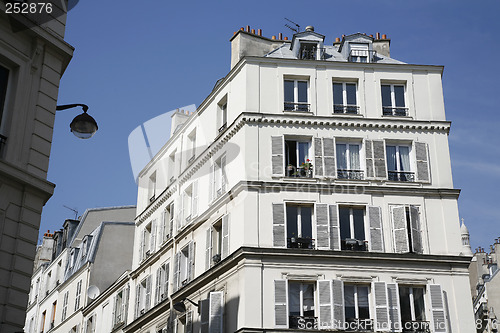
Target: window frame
(303, 285)
(393, 108)
(356, 301)
(364, 246)
(399, 174)
(297, 170)
(351, 174)
(299, 240)
(4, 105)
(344, 107)
(411, 298)
(295, 105)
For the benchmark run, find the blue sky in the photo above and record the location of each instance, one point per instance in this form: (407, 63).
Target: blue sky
(136, 60)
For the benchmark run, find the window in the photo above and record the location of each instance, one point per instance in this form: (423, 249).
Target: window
(167, 223)
(219, 177)
(300, 303)
(398, 163)
(411, 300)
(308, 51)
(359, 52)
(53, 317)
(344, 98)
(407, 229)
(299, 226)
(86, 245)
(393, 100)
(348, 161)
(120, 306)
(143, 296)
(222, 116)
(162, 282)
(78, 294)
(171, 167)
(296, 95)
(65, 306)
(211, 312)
(90, 325)
(191, 152)
(217, 242)
(48, 284)
(148, 240)
(352, 228)
(4, 80)
(189, 204)
(152, 187)
(42, 323)
(297, 158)
(183, 266)
(356, 304)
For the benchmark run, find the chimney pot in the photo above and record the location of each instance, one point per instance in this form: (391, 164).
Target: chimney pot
(234, 33)
(253, 31)
(337, 40)
(259, 32)
(274, 37)
(378, 35)
(280, 36)
(371, 36)
(242, 29)
(286, 38)
(384, 36)
(248, 28)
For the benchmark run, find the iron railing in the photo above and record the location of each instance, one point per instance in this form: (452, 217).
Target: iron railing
(396, 111)
(401, 176)
(350, 174)
(416, 326)
(300, 243)
(362, 55)
(314, 53)
(300, 172)
(354, 244)
(345, 109)
(359, 325)
(297, 107)
(302, 322)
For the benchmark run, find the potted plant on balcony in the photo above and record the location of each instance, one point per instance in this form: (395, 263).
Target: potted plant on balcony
(290, 170)
(306, 169)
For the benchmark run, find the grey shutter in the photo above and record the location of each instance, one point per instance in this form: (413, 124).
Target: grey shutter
(376, 236)
(148, 293)
(369, 159)
(318, 157)
(393, 305)
(152, 244)
(422, 157)
(277, 147)
(177, 271)
(125, 304)
(279, 239)
(380, 166)
(329, 157)
(399, 229)
(166, 281)
(113, 314)
(281, 303)
(437, 307)
(137, 300)
(158, 286)
(204, 315)
(194, 202)
(141, 245)
(334, 228)
(325, 304)
(189, 322)
(381, 305)
(322, 227)
(225, 236)
(190, 272)
(171, 221)
(416, 230)
(163, 227)
(338, 303)
(208, 248)
(215, 312)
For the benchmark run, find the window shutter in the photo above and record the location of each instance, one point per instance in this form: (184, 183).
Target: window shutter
(225, 236)
(125, 304)
(280, 303)
(325, 304)
(277, 147)
(318, 157)
(422, 157)
(148, 293)
(163, 227)
(204, 315)
(177, 271)
(190, 272)
(381, 307)
(215, 312)
(329, 157)
(393, 305)
(166, 281)
(194, 204)
(223, 179)
(338, 303)
(211, 185)
(189, 322)
(369, 159)
(380, 166)
(158, 286)
(152, 244)
(437, 307)
(334, 228)
(279, 225)
(141, 246)
(322, 226)
(400, 232)
(137, 300)
(172, 219)
(114, 313)
(180, 218)
(208, 250)
(416, 231)
(376, 236)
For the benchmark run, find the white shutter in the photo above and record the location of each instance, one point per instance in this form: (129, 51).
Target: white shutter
(163, 227)
(114, 314)
(334, 227)
(422, 157)
(277, 160)
(393, 305)
(152, 243)
(211, 184)
(181, 217)
(171, 221)
(437, 307)
(215, 312)
(165, 281)
(190, 267)
(177, 271)
(318, 157)
(204, 315)
(141, 246)
(125, 304)
(194, 197)
(158, 285)
(376, 236)
(380, 166)
(189, 322)
(225, 236)
(279, 238)
(280, 303)
(370, 173)
(399, 229)
(338, 303)
(322, 226)
(208, 249)
(325, 304)
(381, 308)
(329, 157)
(148, 293)
(137, 300)
(416, 231)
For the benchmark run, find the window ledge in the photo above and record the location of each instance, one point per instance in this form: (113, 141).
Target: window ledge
(348, 115)
(301, 113)
(301, 179)
(403, 184)
(397, 117)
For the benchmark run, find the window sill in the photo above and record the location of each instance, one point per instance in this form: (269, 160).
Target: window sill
(301, 179)
(348, 115)
(403, 184)
(300, 113)
(397, 117)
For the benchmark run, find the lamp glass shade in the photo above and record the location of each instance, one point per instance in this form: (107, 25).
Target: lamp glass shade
(180, 307)
(83, 126)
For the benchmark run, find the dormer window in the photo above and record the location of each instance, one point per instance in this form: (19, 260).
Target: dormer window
(359, 52)
(308, 51)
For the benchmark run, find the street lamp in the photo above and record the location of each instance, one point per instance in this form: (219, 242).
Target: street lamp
(83, 126)
(181, 307)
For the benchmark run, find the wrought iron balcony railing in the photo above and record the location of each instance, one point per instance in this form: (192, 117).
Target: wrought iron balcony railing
(300, 243)
(359, 325)
(401, 176)
(297, 107)
(396, 111)
(345, 109)
(350, 174)
(312, 53)
(354, 244)
(302, 322)
(416, 326)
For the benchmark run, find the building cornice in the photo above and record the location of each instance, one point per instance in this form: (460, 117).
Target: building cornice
(117, 285)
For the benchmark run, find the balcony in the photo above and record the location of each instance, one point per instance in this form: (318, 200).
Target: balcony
(416, 326)
(359, 325)
(297, 107)
(350, 174)
(300, 172)
(303, 322)
(401, 176)
(395, 111)
(352, 244)
(300, 243)
(345, 109)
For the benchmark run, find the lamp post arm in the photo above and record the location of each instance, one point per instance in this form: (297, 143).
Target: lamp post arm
(190, 301)
(69, 106)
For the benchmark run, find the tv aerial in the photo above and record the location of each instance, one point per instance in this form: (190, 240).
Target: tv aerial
(297, 29)
(74, 210)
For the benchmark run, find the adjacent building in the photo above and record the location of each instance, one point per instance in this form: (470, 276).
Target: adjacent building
(33, 57)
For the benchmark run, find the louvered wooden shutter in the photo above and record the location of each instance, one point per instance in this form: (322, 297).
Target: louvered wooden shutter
(152, 243)
(380, 166)
(211, 185)
(416, 230)
(172, 219)
(141, 245)
(225, 236)
(204, 315)
(325, 304)
(369, 159)
(126, 296)
(279, 239)
(137, 300)
(334, 227)
(194, 202)
(215, 312)
(166, 281)
(177, 271)
(189, 322)
(208, 249)
(376, 236)
(277, 160)
(148, 293)
(280, 303)
(158, 285)
(422, 157)
(163, 227)
(393, 305)
(182, 215)
(437, 307)
(338, 303)
(329, 157)
(322, 227)
(318, 157)
(399, 229)
(114, 313)
(381, 306)
(190, 272)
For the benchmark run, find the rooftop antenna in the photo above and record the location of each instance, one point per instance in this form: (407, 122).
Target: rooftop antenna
(74, 210)
(292, 28)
